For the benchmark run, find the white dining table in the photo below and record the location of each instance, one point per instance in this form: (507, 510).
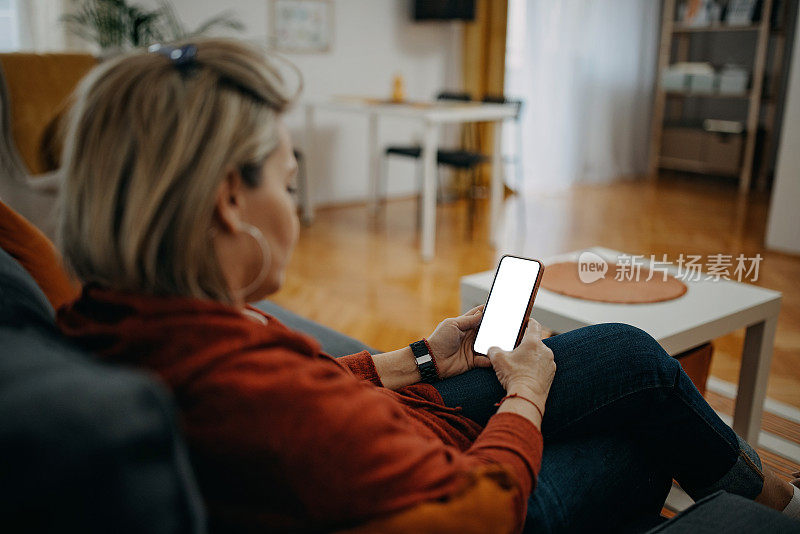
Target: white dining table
(432, 115)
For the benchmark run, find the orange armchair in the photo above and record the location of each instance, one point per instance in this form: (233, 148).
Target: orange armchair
(34, 91)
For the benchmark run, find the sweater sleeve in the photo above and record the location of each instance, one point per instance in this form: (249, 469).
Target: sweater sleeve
(513, 441)
(362, 366)
(348, 451)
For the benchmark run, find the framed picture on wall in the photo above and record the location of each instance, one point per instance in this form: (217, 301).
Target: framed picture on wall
(302, 25)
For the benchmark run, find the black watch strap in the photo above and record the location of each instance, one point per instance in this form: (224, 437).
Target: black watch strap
(424, 359)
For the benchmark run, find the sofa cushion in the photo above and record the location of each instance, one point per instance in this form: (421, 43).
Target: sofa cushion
(334, 343)
(728, 513)
(23, 300)
(37, 254)
(85, 447)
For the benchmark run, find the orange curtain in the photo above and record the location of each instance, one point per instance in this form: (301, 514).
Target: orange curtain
(484, 61)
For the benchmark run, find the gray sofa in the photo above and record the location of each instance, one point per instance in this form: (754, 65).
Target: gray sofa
(87, 447)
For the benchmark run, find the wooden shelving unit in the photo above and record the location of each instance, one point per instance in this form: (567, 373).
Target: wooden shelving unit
(678, 28)
(702, 94)
(755, 97)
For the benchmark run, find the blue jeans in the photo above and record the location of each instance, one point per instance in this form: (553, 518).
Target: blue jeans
(622, 419)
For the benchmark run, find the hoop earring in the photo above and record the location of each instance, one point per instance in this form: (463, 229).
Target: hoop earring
(256, 234)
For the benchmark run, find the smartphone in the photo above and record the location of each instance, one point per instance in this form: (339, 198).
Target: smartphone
(509, 303)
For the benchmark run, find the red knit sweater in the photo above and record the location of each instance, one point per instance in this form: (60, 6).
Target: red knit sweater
(283, 436)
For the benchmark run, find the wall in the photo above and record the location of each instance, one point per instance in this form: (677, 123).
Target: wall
(40, 27)
(372, 41)
(783, 227)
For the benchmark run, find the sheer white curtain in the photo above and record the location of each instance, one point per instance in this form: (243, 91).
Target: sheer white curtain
(41, 29)
(585, 69)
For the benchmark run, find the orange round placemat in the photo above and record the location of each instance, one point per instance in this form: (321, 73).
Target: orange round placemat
(563, 278)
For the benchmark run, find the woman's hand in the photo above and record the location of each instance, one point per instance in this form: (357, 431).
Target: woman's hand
(451, 344)
(528, 369)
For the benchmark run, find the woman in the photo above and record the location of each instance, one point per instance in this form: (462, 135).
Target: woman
(177, 210)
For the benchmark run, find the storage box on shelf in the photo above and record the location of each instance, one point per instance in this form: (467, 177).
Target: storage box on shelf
(695, 90)
(702, 149)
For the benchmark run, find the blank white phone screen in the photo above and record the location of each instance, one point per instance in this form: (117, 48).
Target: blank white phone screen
(507, 304)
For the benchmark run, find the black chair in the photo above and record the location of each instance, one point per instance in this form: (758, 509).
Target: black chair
(459, 158)
(516, 159)
(466, 159)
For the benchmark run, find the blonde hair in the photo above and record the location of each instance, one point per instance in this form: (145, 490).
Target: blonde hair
(148, 143)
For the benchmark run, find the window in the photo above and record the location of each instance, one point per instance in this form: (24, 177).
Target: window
(9, 26)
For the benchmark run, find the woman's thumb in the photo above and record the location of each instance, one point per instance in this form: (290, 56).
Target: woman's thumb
(466, 322)
(492, 352)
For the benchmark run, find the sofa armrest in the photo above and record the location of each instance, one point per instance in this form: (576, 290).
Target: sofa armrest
(87, 447)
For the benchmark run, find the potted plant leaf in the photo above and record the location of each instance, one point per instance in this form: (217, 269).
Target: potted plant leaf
(115, 25)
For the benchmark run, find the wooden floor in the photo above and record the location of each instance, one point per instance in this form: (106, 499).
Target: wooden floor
(364, 277)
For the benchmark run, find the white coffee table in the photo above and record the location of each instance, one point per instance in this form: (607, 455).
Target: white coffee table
(708, 310)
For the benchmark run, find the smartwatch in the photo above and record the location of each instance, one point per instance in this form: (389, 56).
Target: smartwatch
(425, 364)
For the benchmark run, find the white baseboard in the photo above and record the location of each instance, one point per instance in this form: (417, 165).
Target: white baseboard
(766, 440)
(727, 389)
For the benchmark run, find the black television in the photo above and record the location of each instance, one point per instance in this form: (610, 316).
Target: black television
(444, 9)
